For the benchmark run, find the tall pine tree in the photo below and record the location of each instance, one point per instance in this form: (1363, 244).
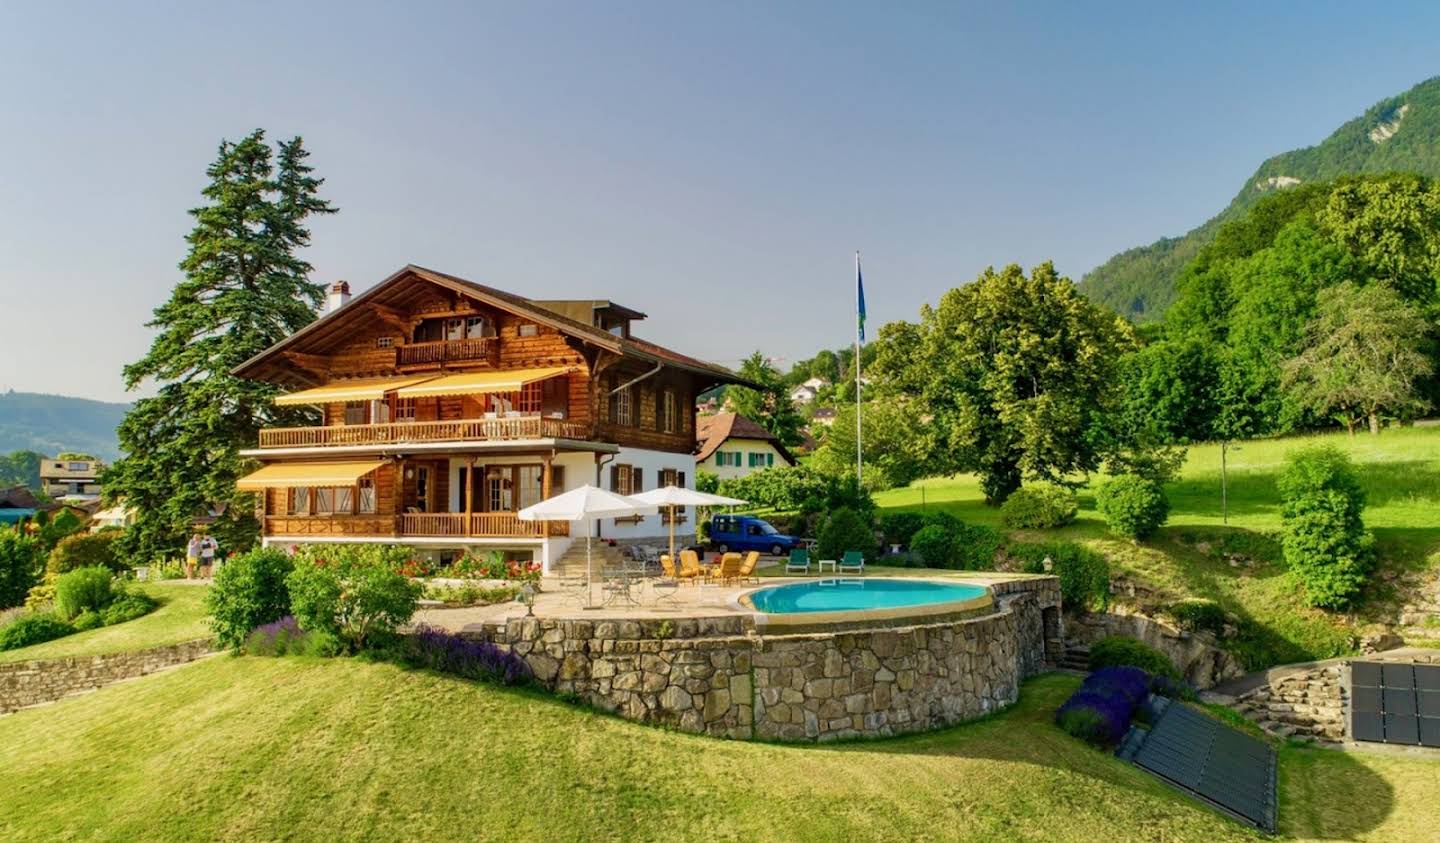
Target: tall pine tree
(245, 289)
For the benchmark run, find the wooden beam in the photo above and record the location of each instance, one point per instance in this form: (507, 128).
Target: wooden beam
(309, 362)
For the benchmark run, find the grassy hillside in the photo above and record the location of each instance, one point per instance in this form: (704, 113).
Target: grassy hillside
(272, 749)
(1140, 282)
(1238, 563)
(53, 423)
(180, 617)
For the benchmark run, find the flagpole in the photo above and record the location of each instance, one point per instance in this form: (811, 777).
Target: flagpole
(859, 458)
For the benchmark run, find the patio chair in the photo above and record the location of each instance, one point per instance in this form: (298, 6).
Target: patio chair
(689, 566)
(747, 568)
(853, 561)
(799, 561)
(667, 567)
(729, 568)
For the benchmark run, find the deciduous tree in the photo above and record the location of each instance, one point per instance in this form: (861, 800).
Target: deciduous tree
(770, 405)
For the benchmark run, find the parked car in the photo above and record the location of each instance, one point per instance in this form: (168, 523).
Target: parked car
(746, 532)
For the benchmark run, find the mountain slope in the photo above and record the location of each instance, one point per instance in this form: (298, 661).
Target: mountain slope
(1398, 133)
(50, 424)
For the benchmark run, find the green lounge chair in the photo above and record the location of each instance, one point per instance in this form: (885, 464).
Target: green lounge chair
(854, 561)
(799, 561)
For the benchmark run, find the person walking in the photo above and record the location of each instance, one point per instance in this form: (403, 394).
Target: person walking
(208, 546)
(192, 555)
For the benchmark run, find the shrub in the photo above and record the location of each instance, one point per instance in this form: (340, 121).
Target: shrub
(85, 550)
(449, 653)
(1323, 538)
(33, 629)
(284, 637)
(128, 607)
(249, 590)
(1084, 574)
(1129, 682)
(88, 620)
(1039, 506)
(1169, 686)
(935, 546)
(1123, 651)
(81, 589)
(1133, 506)
(1097, 718)
(471, 594)
(52, 530)
(976, 546)
(844, 530)
(1197, 615)
(21, 559)
(41, 598)
(354, 593)
(900, 527)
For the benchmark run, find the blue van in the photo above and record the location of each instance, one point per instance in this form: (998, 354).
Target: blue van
(746, 532)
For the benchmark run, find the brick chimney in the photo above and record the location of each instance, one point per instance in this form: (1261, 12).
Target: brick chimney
(338, 297)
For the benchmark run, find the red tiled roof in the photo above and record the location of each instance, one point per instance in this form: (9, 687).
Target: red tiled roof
(713, 431)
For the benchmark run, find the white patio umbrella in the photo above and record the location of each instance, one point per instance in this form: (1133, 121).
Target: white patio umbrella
(585, 504)
(673, 496)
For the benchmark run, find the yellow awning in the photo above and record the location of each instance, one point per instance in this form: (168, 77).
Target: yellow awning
(283, 475)
(472, 383)
(371, 389)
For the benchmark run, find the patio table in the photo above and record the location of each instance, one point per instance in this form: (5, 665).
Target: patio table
(823, 562)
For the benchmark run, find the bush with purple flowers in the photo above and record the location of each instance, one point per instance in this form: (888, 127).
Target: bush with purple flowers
(1101, 711)
(449, 653)
(285, 638)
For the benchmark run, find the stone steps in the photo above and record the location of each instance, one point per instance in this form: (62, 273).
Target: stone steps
(1076, 658)
(572, 562)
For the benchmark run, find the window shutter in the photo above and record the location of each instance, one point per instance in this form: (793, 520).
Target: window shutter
(557, 479)
(637, 485)
(615, 478)
(680, 479)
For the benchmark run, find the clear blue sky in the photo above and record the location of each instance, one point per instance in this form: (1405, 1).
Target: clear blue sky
(714, 165)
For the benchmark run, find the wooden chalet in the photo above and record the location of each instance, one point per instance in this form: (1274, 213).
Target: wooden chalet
(435, 408)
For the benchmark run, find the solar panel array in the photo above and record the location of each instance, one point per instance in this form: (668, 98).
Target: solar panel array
(1214, 762)
(1395, 703)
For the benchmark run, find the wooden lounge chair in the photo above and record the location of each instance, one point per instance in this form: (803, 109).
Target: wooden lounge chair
(799, 561)
(728, 570)
(853, 561)
(747, 568)
(689, 566)
(667, 566)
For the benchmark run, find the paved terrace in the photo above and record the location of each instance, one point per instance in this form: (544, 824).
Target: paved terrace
(690, 600)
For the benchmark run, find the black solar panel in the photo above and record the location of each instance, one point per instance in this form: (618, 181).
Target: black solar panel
(1217, 763)
(1427, 677)
(1395, 703)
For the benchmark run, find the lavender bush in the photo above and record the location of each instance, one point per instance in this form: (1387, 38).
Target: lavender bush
(448, 653)
(277, 638)
(1102, 710)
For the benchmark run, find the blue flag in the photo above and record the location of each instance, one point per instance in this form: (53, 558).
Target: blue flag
(859, 298)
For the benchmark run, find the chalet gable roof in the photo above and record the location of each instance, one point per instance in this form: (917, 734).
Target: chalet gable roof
(714, 431)
(398, 289)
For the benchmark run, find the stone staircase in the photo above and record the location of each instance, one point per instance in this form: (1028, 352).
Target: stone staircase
(1077, 657)
(572, 562)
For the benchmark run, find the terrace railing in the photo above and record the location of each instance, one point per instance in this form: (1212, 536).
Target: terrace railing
(429, 524)
(401, 433)
(447, 351)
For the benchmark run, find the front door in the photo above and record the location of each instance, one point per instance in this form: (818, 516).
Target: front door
(422, 488)
(499, 489)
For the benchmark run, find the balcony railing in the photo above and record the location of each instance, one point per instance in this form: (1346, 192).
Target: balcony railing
(404, 433)
(499, 525)
(480, 524)
(447, 351)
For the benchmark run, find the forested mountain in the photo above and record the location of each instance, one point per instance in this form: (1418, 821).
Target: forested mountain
(1401, 133)
(50, 424)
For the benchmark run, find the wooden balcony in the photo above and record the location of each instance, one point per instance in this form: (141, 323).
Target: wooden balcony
(497, 525)
(471, 350)
(478, 524)
(407, 433)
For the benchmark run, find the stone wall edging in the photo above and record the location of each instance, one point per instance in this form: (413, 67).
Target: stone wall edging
(721, 676)
(1203, 664)
(37, 681)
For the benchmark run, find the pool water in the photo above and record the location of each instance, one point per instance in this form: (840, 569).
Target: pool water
(840, 595)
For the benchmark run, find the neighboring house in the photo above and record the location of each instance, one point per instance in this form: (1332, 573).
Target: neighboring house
(116, 516)
(803, 394)
(823, 415)
(18, 503)
(733, 446)
(76, 479)
(445, 406)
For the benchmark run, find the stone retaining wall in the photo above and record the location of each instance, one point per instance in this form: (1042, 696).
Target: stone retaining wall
(28, 683)
(1311, 702)
(719, 676)
(1203, 664)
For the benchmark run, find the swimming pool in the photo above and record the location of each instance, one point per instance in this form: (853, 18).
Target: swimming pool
(869, 597)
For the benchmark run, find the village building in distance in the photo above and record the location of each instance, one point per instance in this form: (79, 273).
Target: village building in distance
(732, 445)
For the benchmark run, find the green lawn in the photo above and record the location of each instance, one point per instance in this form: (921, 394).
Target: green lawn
(1238, 563)
(249, 748)
(180, 617)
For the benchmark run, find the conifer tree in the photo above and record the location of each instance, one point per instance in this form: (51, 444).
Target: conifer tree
(245, 288)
